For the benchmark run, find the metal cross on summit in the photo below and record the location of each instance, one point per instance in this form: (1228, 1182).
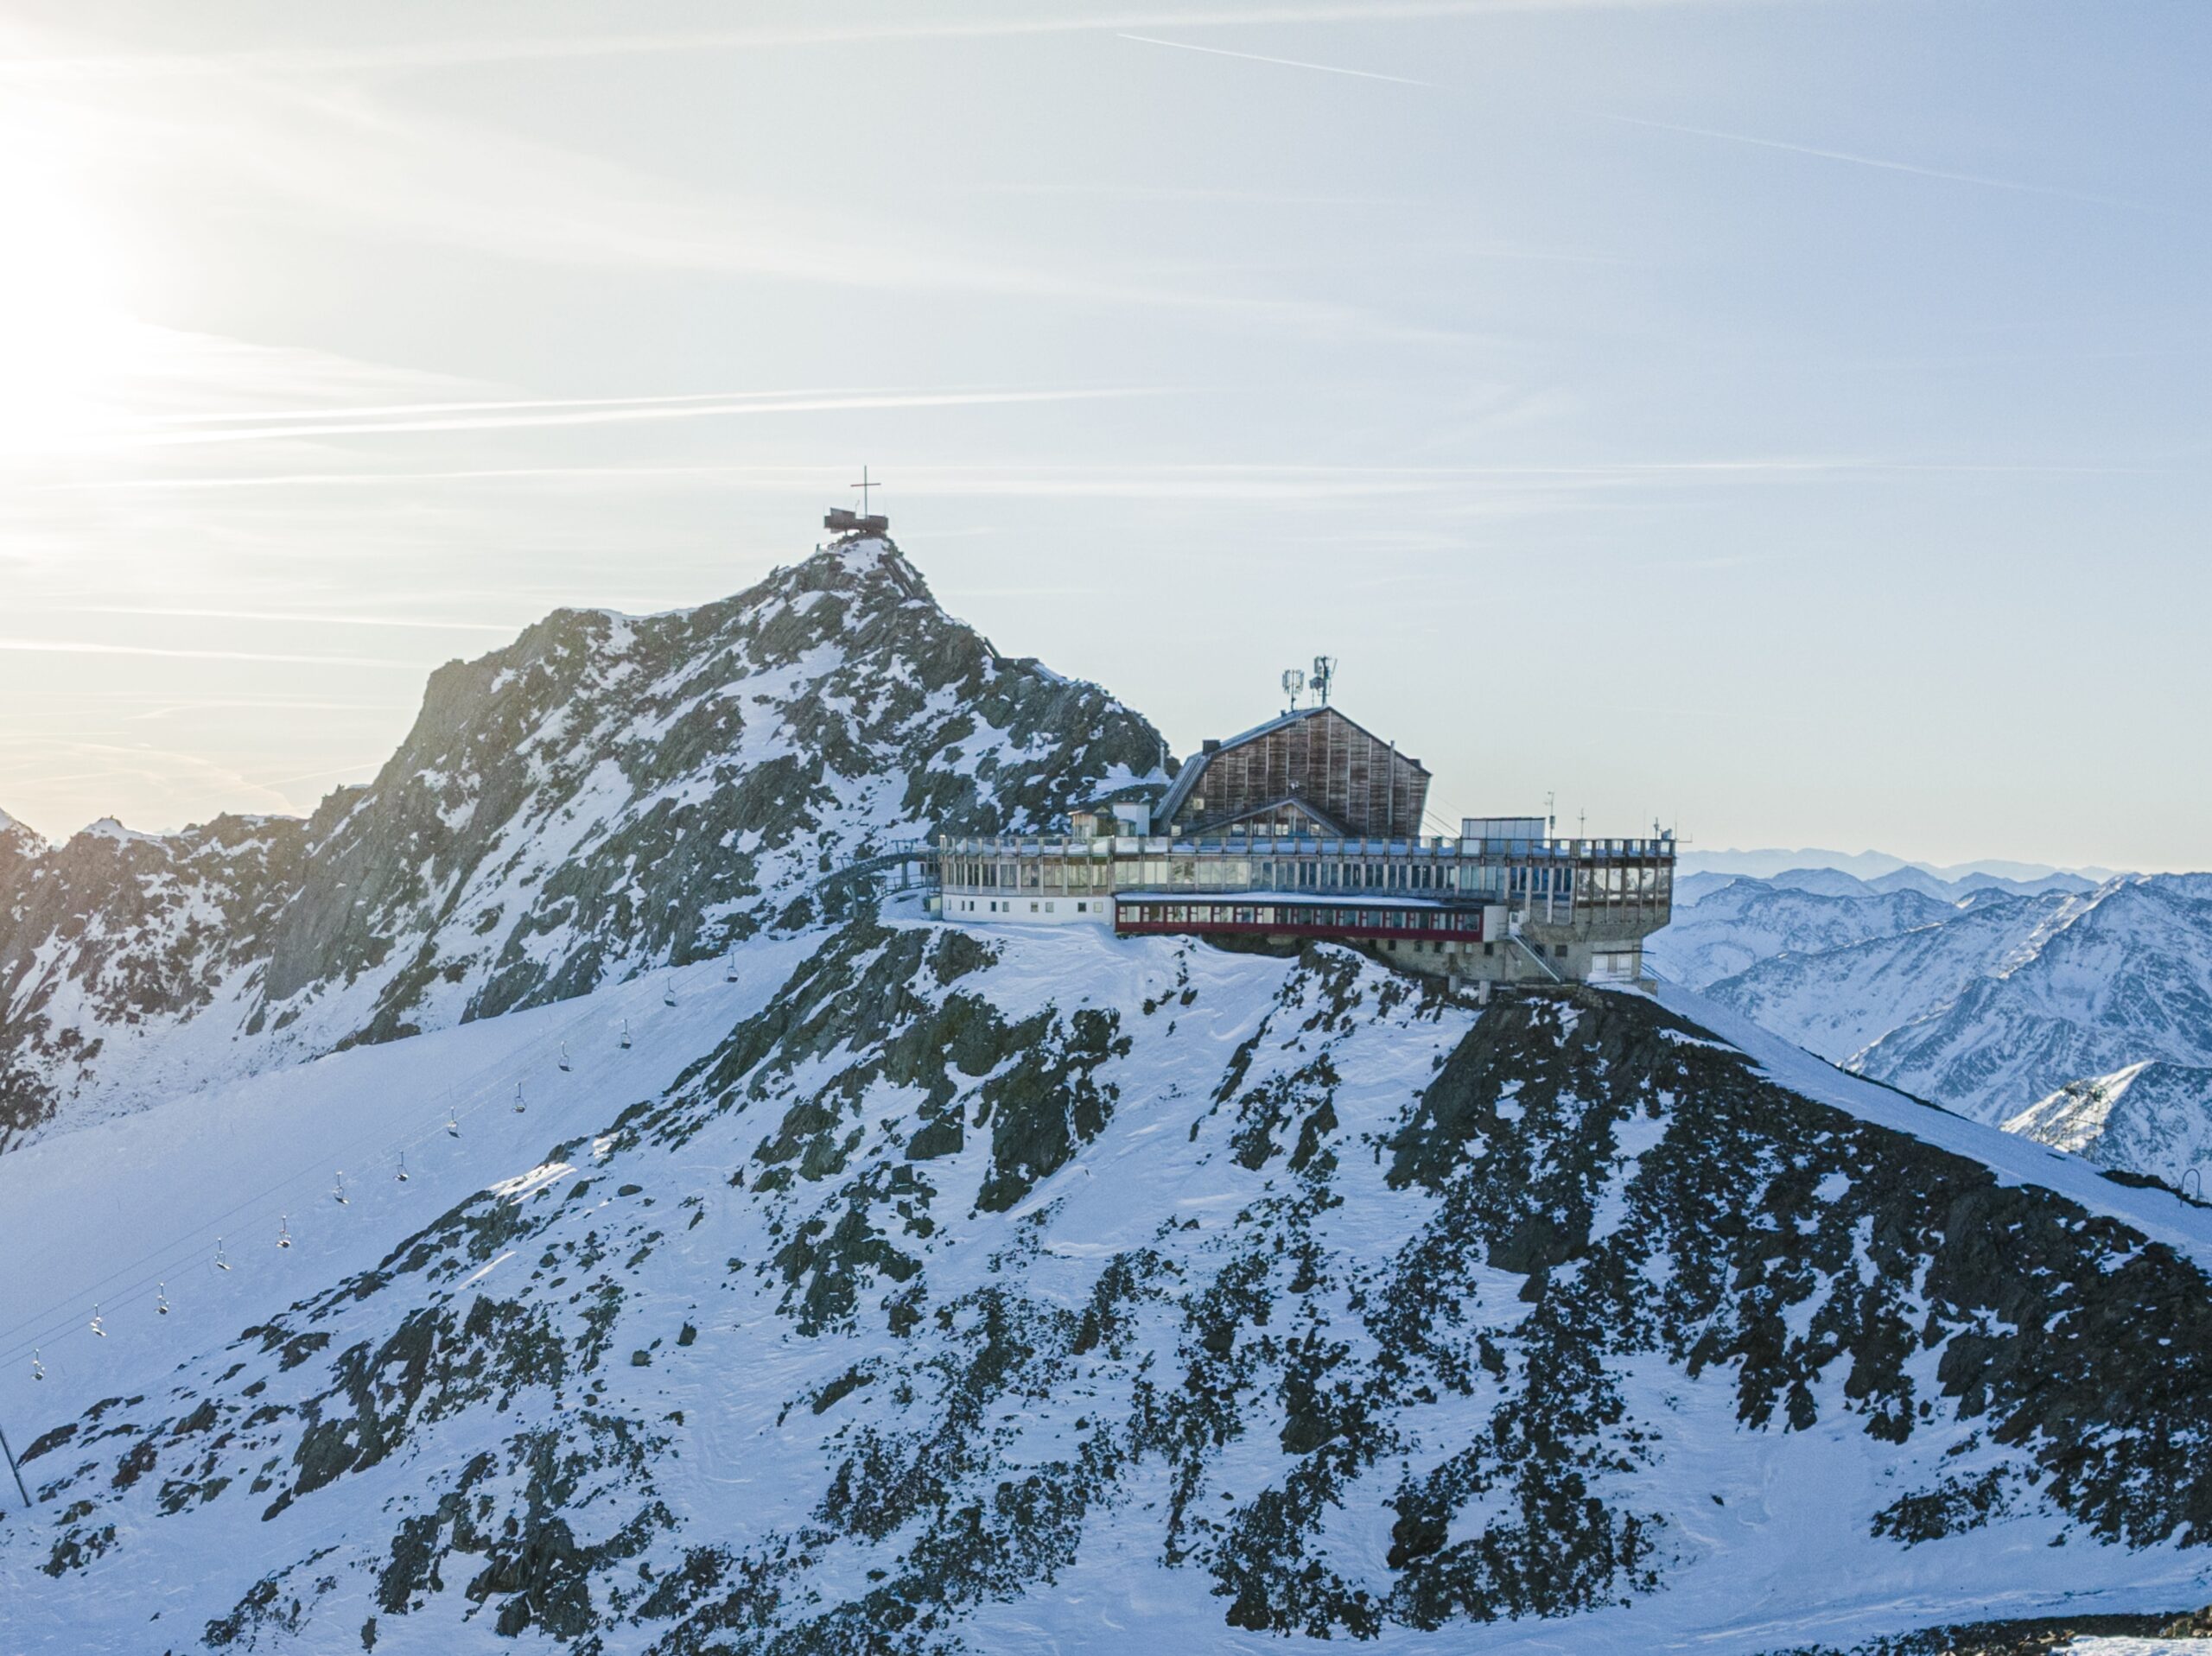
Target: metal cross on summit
(864, 485)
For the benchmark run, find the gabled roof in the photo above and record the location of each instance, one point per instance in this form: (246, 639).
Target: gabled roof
(1187, 780)
(1330, 828)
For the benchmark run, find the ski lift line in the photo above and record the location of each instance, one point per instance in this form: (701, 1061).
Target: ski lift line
(17, 1470)
(64, 1313)
(192, 1241)
(480, 1081)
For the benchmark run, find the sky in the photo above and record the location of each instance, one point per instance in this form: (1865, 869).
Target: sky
(1782, 420)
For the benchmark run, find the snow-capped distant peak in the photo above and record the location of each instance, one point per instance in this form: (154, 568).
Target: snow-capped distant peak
(109, 827)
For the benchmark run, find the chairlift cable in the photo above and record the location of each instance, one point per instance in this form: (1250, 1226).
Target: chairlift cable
(157, 1261)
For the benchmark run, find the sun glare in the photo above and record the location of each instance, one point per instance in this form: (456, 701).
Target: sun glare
(65, 340)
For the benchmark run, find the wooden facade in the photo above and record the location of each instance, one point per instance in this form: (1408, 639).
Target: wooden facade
(1316, 770)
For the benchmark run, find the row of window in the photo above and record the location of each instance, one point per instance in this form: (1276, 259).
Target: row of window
(1519, 883)
(1006, 905)
(1300, 917)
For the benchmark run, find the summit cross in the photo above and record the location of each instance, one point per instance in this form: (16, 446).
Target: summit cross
(864, 485)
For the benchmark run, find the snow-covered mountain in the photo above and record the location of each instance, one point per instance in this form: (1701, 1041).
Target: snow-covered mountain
(605, 794)
(2117, 977)
(1728, 931)
(936, 1289)
(1878, 868)
(564, 1229)
(2148, 1115)
(1986, 1004)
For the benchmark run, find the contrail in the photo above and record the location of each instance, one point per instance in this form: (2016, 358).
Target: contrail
(386, 409)
(2014, 186)
(305, 616)
(1262, 481)
(308, 427)
(460, 53)
(1286, 63)
(76, 647)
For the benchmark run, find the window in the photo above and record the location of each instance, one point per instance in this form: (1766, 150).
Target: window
(1032, 908)
(1082, 907)
(1048, 908)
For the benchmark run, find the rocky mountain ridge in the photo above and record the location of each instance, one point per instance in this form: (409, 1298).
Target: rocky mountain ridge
(605, 794)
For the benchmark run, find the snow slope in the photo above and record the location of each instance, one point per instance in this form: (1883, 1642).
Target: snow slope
(932, 1289)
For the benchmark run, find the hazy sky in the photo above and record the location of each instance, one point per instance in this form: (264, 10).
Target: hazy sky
(1787, 420)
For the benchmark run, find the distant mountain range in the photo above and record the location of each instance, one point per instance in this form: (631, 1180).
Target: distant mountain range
(1874, 865)
(2032, 1002)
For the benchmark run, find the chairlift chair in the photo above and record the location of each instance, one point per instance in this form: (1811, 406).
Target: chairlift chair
(283, 1230)
(565, 1056)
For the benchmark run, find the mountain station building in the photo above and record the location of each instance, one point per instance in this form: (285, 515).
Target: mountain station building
(1311, 826)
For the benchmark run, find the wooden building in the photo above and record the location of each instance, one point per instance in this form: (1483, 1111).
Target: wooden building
(1311, 771)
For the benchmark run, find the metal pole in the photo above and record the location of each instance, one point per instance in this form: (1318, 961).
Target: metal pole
(17, 1470)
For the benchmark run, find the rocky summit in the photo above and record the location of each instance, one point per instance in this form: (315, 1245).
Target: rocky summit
(605, 794)
(562, 1228)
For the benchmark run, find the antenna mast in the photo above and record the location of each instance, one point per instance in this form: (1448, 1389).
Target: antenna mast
(1293, 680)
(1324, 676)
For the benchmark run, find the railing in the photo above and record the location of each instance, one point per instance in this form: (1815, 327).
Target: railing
(1438, 849)
(897, 854)
(1548, 969)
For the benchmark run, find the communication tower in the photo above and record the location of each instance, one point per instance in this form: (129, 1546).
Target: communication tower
(1323, 676)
